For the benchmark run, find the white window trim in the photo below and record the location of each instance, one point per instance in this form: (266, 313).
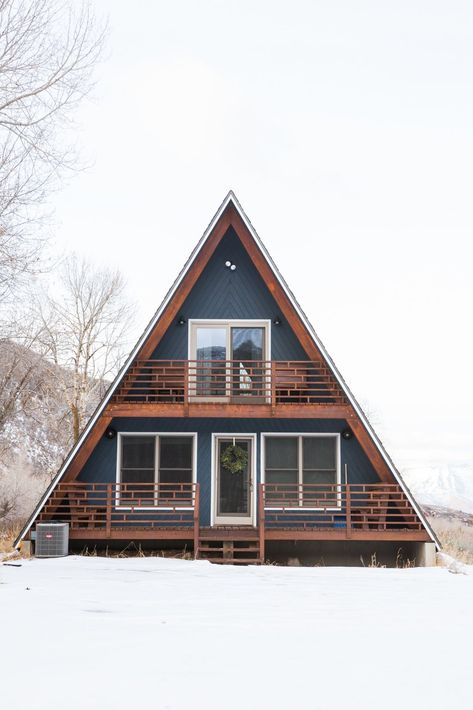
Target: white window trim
(299, 435)
(228, 323)
(190, 434)
(213, 470)
(232, 323)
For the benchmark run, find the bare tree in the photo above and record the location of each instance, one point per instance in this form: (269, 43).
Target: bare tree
(84, 329)
(48, 49)
(20, 374)
(19, 489)
(23, 388)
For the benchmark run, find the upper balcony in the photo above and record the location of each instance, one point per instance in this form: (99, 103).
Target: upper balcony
(229, 388)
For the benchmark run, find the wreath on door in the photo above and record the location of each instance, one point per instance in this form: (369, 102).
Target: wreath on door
(234, 459)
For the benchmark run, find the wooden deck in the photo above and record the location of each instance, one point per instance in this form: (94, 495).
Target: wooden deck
(171, 512)
(201, 387)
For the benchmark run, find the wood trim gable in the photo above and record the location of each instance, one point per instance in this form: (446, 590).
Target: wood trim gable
(186, 285)
(230, 214)
(83, 454)
(281, 298)
(232, 218)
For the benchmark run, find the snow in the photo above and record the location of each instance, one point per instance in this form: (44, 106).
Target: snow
(448, 485)
(91, 632)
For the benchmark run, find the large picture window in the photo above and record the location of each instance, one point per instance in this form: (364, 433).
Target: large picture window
(304, 468)
(153, 467)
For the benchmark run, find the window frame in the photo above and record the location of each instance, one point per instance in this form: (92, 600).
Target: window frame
(228, 323)
(156, 434)
(253, 436)
(299, 436)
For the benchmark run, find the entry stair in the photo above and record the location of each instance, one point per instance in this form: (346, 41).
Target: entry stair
(229, 546)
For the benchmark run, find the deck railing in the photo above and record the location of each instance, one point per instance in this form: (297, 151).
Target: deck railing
(116, 505)
(366, 506)
(103, 507)
(248, 382)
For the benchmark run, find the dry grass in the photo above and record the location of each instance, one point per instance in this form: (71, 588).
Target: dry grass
(8, 535)
(134, 550)
(455, 537)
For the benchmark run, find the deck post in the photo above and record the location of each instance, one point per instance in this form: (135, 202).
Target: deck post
(196, 521)
(186, 388)
(273, 386)
(348, 509)
(261, 521)
(108, 530)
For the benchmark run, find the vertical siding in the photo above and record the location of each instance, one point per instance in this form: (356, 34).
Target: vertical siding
(101, 466)
(239, 294)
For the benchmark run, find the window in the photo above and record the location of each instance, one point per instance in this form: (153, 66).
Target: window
(138, 465)
(229, 340)
(228, 357)
(175, 459)
(304, 469)
(164, 461)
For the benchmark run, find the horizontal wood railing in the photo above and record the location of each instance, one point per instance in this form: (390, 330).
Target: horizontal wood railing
(98, 510)
(255, 382)
(378, 506)
(115, 505)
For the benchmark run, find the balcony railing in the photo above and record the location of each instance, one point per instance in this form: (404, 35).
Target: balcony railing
(97, 509)
(115, 505)
(234, 381)
(354, 506)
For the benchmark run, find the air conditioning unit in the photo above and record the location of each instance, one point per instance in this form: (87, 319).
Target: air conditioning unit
(52, 540)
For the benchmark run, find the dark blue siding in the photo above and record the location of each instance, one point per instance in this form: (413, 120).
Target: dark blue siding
(239, 294)
(101, 466)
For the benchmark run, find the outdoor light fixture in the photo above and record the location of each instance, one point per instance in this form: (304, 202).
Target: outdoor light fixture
(230, 265)
(277, 320)
(181, 320)
(110, 433)
(347, 434)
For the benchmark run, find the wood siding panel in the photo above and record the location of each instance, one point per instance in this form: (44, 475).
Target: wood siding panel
(101, 466)
(239, 294)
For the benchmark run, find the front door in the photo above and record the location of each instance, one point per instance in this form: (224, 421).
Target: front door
(233, 480)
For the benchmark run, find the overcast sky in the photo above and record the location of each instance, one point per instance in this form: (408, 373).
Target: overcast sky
(346, 131)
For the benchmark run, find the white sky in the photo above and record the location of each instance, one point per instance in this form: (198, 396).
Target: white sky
(346, 131)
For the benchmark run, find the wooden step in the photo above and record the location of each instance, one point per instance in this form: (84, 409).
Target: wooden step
(229, 551)
(232, 534)
(235, 550)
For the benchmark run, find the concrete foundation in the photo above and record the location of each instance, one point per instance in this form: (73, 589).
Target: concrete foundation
(427, 554)
(351, 553)
(343, 553)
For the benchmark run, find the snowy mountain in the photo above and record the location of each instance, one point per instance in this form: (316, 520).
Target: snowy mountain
(446, 485)
(35, 426)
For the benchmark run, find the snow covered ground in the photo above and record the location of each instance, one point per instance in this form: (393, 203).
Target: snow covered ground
(90, 632)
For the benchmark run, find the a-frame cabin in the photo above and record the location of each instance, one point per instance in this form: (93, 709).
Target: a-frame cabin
(230, 432)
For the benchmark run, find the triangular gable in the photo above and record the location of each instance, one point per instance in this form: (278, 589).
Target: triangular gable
(229, 214)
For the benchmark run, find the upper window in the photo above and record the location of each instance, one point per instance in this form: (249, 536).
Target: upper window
(154, 467)
(304, 469)
(227, 358)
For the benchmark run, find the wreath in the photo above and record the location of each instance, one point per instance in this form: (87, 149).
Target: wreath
(234, 459)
